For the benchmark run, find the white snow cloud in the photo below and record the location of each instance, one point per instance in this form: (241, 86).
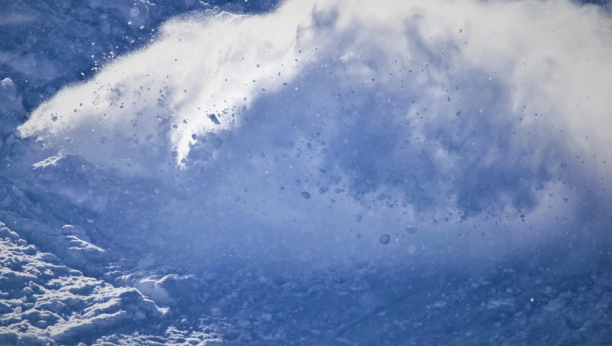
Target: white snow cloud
(326, 124)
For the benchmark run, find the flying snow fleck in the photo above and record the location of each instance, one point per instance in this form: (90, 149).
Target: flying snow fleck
(412, 230)
(385, 239)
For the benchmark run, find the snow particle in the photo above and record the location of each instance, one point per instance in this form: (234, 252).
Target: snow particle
(384, 239)
(214, 119)
(412, 249)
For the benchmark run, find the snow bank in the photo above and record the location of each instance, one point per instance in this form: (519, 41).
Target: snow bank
(43, 301)
(312, 133)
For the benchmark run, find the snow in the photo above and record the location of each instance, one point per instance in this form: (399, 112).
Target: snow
(305, 173)
(51, 302)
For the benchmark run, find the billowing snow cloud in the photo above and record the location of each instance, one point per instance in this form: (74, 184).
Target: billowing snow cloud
(334, 129)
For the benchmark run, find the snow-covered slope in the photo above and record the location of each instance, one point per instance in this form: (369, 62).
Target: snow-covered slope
(327, 173)
(43, 300)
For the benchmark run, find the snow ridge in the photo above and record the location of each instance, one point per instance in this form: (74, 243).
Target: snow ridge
(44, 302)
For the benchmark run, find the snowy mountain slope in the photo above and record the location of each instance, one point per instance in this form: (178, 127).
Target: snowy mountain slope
(326, 174)
(45, 301)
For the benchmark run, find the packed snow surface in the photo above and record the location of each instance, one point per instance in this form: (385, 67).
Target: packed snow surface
(316, 173)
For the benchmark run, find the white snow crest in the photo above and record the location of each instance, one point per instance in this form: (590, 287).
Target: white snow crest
(204, 72)
(152, 105)
(157, 99)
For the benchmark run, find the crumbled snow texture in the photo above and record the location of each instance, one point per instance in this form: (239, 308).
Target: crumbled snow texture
(332, 173)
(171, 337)
(70, 243)
(367, 307)
(43, 301)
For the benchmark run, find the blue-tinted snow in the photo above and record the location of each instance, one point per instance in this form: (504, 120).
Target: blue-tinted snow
(328, 173)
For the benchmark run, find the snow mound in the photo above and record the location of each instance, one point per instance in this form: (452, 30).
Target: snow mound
(43, 301)
(70, 243)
